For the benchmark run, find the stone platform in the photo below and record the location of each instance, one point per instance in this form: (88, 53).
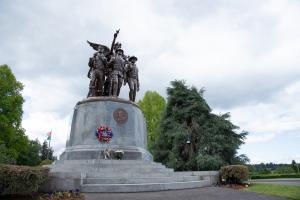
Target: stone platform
(123, 176)
(81, 165)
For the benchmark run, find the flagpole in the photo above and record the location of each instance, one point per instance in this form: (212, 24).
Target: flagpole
(48, 150)
(49, 144)
(47, 153)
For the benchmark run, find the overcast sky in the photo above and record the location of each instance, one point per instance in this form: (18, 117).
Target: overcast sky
(245, 53)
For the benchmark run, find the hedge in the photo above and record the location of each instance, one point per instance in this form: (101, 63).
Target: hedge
(234, 174)
(46, 162)
(266, 176)
(21, 180)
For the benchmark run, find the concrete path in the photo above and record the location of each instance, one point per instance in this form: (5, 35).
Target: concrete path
(207, 193)
(279, 181)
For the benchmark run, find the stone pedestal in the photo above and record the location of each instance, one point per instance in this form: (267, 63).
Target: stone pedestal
(81, 165)
(124, 118)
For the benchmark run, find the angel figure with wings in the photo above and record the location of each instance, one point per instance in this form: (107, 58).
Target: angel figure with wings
(99, 69)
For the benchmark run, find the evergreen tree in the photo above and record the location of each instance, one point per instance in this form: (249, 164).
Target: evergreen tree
(46, 152)
(295, 166)
(191, 136)
(152, 106)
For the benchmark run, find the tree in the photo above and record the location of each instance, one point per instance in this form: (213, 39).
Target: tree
(284, 169)
(46, 152)
(31, 156)
(5, 157)
(152, 106)
(12, 137)
(295, 166)
(15, 147)
(191, 136)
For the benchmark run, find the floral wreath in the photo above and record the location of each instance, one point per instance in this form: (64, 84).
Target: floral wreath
(104, 134)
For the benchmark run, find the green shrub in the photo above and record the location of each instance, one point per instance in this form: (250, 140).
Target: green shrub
(46, 162)
(266, 176)
(21, 180)
(234, 174)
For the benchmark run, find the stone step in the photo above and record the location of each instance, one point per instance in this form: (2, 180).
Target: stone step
(105, 165)
(111, 170)
(108, 161)
(118, 180)
(123, 174)
(143, 187)
(76, 174)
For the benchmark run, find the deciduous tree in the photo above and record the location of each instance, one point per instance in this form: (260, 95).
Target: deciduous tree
(15, 147)
(12, 136)
(152, 106)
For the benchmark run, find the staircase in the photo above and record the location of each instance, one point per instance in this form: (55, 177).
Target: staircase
(123, 176)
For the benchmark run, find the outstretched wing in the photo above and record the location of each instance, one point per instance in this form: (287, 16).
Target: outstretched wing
(96, 47)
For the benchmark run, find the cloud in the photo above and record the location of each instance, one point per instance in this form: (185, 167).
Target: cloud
(278, 115)
(247, 42)
(280, 160)
(260, 138)
(244, 54)
(38, 124)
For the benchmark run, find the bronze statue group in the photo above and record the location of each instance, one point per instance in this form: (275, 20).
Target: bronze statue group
(110, 69)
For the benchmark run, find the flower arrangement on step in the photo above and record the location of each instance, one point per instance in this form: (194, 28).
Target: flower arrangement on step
(118, 154)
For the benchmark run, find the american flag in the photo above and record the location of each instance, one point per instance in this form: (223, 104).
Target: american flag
(49, 135)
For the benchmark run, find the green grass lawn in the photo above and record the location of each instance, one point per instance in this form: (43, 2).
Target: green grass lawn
(285, 191)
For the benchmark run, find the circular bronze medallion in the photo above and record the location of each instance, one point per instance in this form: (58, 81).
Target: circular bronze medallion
(120, 116)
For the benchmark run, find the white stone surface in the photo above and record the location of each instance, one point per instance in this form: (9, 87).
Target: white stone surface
(82, 166)
(90, 113)
(123, 176)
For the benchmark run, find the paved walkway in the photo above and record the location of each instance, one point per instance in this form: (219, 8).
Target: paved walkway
(279, 181)
(207, 193)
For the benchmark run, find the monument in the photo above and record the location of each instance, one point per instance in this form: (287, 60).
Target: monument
(103, 125)
(123, 117)
(109, 70)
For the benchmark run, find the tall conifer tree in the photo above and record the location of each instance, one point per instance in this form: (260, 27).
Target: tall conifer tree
(191, 136)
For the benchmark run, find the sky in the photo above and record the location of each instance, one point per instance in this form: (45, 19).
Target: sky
(246, 54)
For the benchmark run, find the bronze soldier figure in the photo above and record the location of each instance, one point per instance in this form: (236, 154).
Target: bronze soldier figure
(101, 87)
(132, 78)
(98, 64)
(112, 64)
(117, 73)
